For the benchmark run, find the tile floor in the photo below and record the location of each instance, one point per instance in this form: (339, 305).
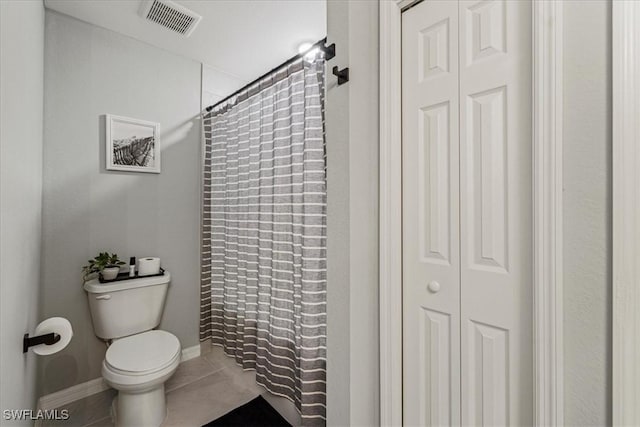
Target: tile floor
(201, 390)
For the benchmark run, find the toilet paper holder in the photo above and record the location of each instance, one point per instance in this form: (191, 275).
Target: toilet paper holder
(47, 339)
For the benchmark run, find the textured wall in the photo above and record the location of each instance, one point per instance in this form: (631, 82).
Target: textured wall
(587, 212)
(21, 92)
(90, 71)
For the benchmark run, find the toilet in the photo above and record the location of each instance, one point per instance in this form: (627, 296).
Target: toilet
(140, 359)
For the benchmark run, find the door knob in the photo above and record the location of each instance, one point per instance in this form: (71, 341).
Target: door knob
(434, 286)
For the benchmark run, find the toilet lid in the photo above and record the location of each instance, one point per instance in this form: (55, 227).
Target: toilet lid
(146, 352)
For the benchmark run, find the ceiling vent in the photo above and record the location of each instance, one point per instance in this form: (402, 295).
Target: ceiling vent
(170, 15)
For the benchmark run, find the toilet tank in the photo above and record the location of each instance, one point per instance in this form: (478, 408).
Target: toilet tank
(126, 307)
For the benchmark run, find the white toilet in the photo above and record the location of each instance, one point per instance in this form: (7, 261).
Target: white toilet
(139, 359)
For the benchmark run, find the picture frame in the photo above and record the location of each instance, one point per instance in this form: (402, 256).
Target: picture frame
(132, 145)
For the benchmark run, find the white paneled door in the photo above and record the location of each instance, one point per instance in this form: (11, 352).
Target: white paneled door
(467, 202)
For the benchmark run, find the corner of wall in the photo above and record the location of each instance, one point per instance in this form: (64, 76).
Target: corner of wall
(352, 217)
(22, 79)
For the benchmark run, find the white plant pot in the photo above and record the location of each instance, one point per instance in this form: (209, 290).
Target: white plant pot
(110, 273)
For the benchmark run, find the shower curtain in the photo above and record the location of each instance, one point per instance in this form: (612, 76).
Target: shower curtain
(263, 295)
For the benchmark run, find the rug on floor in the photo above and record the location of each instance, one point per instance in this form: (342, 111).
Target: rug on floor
(257, 413)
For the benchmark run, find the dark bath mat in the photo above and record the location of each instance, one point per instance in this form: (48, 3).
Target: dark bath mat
(257, 413)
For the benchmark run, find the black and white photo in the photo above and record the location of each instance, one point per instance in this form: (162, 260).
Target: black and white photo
(132, 145)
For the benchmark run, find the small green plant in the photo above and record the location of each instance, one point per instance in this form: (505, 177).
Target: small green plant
(99, 263)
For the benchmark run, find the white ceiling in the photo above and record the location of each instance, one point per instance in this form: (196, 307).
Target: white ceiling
(243, 38)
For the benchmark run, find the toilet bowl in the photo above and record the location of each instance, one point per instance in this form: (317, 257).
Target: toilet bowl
(140, 359)
(138, 366)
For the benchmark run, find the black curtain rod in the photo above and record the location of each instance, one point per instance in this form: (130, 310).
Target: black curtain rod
(329, 51)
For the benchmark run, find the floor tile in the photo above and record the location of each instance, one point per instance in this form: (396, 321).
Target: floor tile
(86, 411)
(105, 422)
(247, 377)
(206, 399)
(205, 347)
(201, 390)
(217, 357)
(190, 371)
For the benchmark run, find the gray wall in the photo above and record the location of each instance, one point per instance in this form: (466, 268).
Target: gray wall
(587, 212)
(217, 85)
(90, 71)
(21, 91)
(352, 217)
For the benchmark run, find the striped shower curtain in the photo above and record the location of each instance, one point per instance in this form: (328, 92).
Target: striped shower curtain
(263, 295)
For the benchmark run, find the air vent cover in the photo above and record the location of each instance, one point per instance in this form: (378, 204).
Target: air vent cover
(170, 15)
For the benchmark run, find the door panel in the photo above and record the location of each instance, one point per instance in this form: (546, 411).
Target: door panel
(467, 260)
(430, 215)
(495, 205)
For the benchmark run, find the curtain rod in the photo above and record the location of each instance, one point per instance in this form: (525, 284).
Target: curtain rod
(329, 51)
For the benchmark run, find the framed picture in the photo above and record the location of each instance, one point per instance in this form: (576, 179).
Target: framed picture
(132, 145)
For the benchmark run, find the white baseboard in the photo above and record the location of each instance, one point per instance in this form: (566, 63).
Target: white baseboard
(71, 394)
(190, 352)
(80, 391)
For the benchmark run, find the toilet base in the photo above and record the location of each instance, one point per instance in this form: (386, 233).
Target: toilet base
(140, 409)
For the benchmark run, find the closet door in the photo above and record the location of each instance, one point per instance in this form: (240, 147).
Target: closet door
(467, 200)
(495, 220)
(431, 275)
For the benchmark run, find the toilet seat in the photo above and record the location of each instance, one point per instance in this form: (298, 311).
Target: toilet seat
(142, 354)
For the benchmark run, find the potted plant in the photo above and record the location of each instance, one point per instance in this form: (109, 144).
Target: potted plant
(106, 264)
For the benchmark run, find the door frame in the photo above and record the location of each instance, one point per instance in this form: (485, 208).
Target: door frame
(626, 212)
(547, 211)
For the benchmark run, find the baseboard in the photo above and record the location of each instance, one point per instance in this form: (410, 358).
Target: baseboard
(71, 394)
(190, 352)
(80, 391)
